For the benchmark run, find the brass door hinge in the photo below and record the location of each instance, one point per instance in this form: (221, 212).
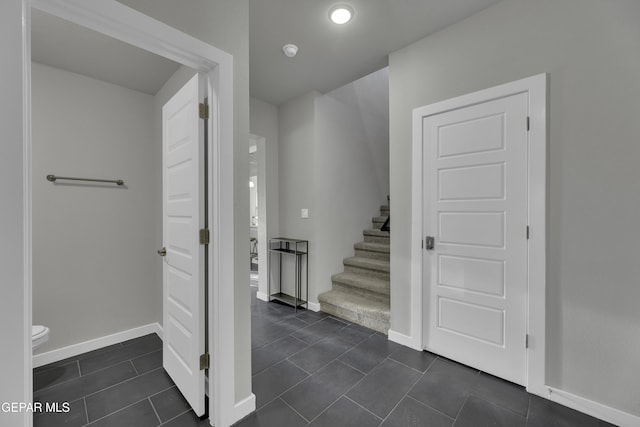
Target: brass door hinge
(203, 111)
(204, 236)
(205, 359)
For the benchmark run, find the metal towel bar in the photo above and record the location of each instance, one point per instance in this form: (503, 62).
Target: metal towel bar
(53, 178)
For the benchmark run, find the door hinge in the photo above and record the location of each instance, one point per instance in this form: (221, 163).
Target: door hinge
(527, 232)
(204, 236)
(203, 111)
(526, 341)
(528, 123)
(205, 359)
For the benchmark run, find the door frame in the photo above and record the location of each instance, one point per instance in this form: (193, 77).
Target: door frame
(130, 26)
(536, 88)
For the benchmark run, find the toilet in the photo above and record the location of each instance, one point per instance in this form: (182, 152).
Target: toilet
(39, 335)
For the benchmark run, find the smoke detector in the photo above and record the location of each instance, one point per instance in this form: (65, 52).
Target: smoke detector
(290, 50)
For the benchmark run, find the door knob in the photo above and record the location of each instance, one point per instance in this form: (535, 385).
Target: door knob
(162, 252)
(429, 243)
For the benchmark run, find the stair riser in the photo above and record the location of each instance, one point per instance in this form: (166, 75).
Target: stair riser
(384, 210)
(378, 323)
(378, 295)
(372, 254)
(377, 239)
(366, 272)
(377, 225)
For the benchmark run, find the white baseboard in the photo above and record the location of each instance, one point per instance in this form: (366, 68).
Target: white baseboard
(589, 407)
(262, 296)
(94, 344)
(244, 408)
(402, 339)
(313, 306)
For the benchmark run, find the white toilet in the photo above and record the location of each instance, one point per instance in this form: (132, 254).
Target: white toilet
(39, 335)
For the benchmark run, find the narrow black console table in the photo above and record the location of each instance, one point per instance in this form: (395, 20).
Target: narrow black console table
(298, 249)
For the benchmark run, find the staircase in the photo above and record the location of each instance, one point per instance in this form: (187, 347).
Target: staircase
(360, 294)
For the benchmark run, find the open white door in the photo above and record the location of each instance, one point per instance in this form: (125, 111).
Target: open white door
(475, 163)
(183, 201)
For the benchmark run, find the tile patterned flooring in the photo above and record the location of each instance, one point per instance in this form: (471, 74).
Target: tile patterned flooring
(308, 369)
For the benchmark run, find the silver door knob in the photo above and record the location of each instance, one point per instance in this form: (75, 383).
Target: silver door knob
(162, 252)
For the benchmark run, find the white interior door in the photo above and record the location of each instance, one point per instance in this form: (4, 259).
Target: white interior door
(475, 170)
(183, 217)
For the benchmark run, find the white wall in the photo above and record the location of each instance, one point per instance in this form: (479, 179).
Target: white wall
(95, 270)
(225, 25)
(351, 170)
(14, 262)
(589, 50)
(333, 160)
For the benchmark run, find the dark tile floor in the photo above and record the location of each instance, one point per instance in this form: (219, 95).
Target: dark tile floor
(312, 369)
(120, 385)
(308, 369)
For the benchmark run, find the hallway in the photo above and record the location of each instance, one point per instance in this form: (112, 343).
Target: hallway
(312, 369)
(308, 369)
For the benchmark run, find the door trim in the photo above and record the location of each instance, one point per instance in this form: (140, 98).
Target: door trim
(536, 88)
(130, 26)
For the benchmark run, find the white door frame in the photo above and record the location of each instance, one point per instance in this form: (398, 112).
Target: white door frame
(130, 26)
(536, 88)
(263, 214)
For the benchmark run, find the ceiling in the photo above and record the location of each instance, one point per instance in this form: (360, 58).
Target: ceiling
(74, 48)
(329, 55)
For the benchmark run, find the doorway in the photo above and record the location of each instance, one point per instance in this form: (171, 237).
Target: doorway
(129, 26)
(479, 173)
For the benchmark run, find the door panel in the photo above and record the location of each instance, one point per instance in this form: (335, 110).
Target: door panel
(183, 269)
(476, 171)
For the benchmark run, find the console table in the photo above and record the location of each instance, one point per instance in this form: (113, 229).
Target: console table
(299, 249)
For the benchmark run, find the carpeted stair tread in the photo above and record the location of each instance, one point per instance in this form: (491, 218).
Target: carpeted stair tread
(373, 247)
(368, 264)
(364, 311)
(362, 283)
(375, 232)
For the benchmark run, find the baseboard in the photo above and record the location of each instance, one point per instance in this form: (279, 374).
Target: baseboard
(244, 408)
(402, 339)
(589, 407)
(94, 344)
(262, 296)
(313, 306)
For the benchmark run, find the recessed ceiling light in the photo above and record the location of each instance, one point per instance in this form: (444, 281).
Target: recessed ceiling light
(340, 14)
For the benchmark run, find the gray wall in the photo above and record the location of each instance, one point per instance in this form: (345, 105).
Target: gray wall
(296, 127)
(14, 263)
(264, 123)
(95, 270)
(225, 25)
(333, 160)
(589, 48)
(351, 169)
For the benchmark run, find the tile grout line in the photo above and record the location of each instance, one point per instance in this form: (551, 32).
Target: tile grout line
(428, 406)
(174, 418)
(154, 409)
(353, 401)
(293, 409)
(119, 410)
(407, 392)
(86, 410)
(122, 382)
